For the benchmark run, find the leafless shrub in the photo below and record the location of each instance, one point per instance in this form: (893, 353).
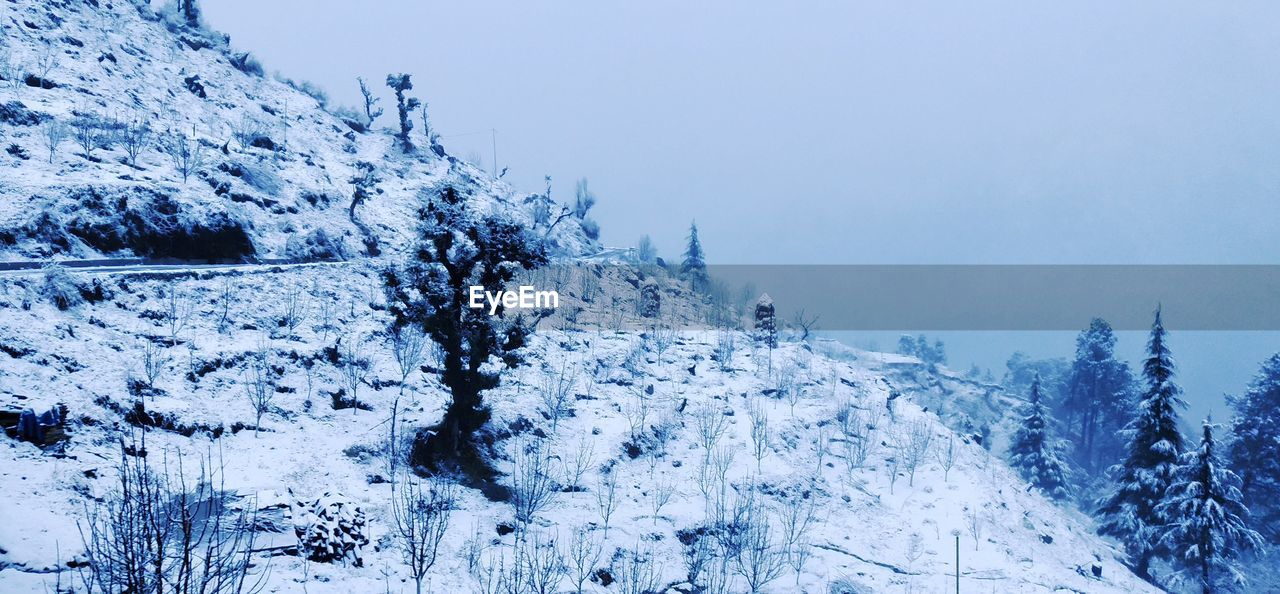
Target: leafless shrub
(556, 392)
(785, 379)
(663, 337)
(294, 310)
(588, 284)
(420, 513)
(54, 133)
(582, 557)
(975, 521)
(245, 130)
(90, 132)
(544, 566)
(797, 518)
(153, 360)
(157, 532)
(636, 572)
(532, 485)
(474, 548)
(726, 346)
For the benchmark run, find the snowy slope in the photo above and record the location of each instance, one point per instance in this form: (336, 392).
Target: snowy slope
(875, 527)
(82, 358)
(120, 61)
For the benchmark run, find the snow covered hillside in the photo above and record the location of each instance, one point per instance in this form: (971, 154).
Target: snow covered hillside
(644, 406)
(638, 455)
(269, 171)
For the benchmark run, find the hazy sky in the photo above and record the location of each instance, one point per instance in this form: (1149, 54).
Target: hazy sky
(889, 132)
(852, 132)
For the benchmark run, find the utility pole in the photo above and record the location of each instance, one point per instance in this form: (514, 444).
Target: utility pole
(957, 564)
(494, 136)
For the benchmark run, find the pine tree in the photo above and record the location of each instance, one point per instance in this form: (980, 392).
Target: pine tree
(766, 322)
(1256, 447)
(1142, 480)
(1098, 395)
(694, 266)
(1206, 529)
(1031, 453)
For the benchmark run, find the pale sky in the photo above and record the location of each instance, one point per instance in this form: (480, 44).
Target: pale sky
(853, 132)
(937, 132)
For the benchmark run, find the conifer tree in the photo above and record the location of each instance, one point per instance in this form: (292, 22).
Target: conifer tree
(1033, 455)
(1098, 398)
(1206, 529)
(1255, 451)
(694, 267)
(766, 322)
(1142, 480)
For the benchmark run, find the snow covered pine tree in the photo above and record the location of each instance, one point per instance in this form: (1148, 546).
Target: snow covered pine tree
(766, 322)
(694, 267)
(1206, 528)
(459, 249)
(1031, 453)
(1142, 480)
(1255, 451)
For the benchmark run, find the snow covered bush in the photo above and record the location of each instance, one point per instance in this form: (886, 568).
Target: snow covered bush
(650, 299)
(316, 245)
(60, 288)
(330, 529)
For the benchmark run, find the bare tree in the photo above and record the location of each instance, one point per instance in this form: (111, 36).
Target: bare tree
(54, 133)
(226, 296)
(947, 457)
(421, 511)
(89, 131)
(712, 424)
(607, 497)
(294, 310)
(156, 531)
(660, 494)
(258, 384)
(556, 392)
(135, 137)
(974, 520)
(532, 485)
(805, 323)
(664, 337)
(635, 572)
(725, 347)
(246, 130)
(544, 565)
(371, 111)
(177, 313)
(154, 361)
(577, 464)
(184, 151)
(760, 434)
(913, 446)
(582, 557)
(354, 368)
(758, 558)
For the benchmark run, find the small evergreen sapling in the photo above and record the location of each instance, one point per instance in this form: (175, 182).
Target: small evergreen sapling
(1032, 454)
